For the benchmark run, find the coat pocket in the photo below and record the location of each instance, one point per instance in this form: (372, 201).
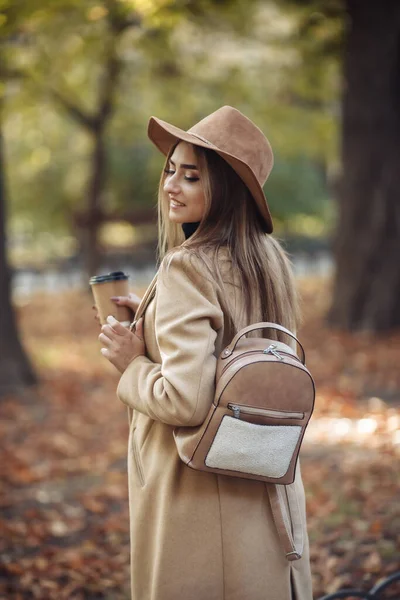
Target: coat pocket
(136, 459)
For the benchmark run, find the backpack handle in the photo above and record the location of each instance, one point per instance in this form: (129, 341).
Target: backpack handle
(263, 325)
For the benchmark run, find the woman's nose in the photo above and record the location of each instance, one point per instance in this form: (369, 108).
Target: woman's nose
(171, 185)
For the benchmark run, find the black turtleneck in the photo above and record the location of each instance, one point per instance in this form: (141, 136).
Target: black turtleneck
(189, 228)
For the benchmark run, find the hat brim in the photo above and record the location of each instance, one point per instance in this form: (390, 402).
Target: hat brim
(164, 135)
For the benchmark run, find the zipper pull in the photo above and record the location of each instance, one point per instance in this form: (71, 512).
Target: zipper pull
(235, 409)
(271, 350)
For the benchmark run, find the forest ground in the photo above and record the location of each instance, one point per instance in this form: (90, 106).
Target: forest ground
(63, 499)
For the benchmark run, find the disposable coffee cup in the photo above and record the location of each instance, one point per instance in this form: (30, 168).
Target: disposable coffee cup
(105, 286)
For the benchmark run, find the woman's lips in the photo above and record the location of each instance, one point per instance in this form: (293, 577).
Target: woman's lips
(176, 204)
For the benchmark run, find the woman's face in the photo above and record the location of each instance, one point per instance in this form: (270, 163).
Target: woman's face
(183, 186)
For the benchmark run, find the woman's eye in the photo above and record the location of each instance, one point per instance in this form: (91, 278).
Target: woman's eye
(171, 172)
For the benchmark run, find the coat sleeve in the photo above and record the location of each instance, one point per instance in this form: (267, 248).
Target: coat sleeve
(180, 390)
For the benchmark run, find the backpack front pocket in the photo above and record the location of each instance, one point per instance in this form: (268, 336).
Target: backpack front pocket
(264, 450)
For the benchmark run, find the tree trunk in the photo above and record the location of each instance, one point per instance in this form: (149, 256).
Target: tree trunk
(97, 127)
(15, 369)
(89, 240)
(367, 246)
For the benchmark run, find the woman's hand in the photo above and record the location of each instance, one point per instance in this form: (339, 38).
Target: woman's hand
(131, 301)
(121, 345)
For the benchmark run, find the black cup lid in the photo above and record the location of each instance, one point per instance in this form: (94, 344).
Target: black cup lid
(114, 276)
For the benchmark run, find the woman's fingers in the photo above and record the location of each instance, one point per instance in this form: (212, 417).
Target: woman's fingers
(111, 331)
(113, 328)
(105, 340)
(120, 344)
(131, 301)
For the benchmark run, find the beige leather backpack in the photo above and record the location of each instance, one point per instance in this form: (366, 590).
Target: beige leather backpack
(263, 401)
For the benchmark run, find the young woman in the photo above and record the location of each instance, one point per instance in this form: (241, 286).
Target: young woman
(197, 535)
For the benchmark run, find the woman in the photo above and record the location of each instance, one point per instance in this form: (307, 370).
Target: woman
(197, 535)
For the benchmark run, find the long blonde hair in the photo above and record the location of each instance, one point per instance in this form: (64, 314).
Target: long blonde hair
(231, 220)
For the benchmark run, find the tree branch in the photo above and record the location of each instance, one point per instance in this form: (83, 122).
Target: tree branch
(10, 74)
(77, 113)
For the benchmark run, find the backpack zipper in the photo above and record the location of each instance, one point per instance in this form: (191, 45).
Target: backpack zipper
(269, 350)
(263, 412)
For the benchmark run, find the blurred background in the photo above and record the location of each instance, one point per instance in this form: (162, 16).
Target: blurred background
(79, 80)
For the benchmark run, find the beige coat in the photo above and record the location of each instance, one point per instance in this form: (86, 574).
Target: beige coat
(194, 535)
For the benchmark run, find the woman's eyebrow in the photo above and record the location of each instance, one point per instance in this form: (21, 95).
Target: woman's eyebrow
(184, 166)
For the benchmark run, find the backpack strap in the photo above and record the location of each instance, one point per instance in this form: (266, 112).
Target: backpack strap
(287, 517)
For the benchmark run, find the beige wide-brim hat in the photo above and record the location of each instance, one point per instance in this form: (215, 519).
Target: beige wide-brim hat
(234, 137)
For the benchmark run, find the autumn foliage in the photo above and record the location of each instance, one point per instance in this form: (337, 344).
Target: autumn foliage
(64, 510)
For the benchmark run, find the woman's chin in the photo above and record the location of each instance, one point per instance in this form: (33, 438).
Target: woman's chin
(175, 217)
